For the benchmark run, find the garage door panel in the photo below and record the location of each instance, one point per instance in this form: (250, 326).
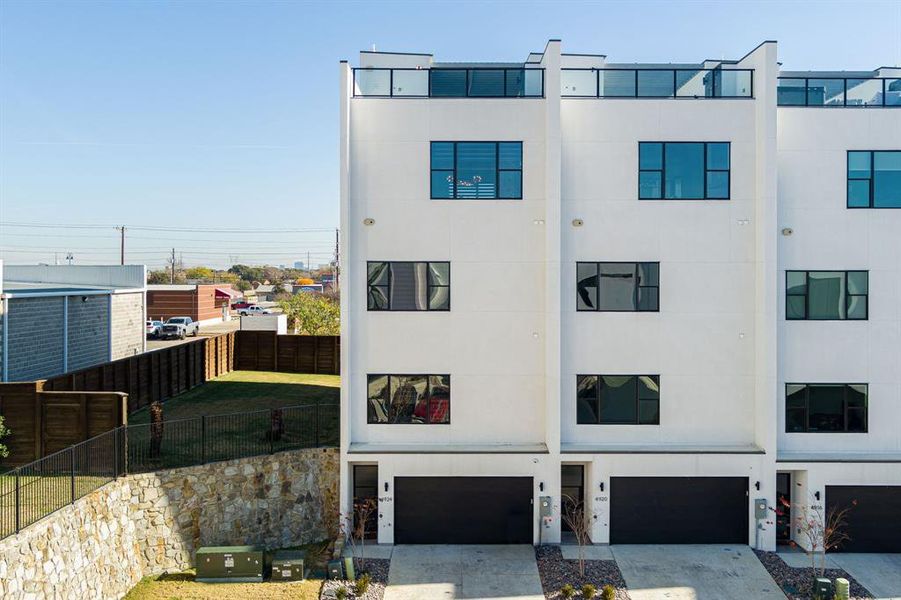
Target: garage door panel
(463, 510)
(874, 518)
(679, 510)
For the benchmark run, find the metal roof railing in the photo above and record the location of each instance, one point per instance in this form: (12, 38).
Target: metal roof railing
(839, 92)
(469, 82)
(658, 83)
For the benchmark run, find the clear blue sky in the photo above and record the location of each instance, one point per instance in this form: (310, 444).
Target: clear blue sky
(224, 114)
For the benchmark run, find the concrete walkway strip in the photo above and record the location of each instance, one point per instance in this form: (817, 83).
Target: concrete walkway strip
(879, 573)
(694, 572)
(457, 572)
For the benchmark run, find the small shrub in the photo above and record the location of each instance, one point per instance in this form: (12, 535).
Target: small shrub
(362, 584)
(588, 591)
(608, 593)
(567, 591)
(341, 593)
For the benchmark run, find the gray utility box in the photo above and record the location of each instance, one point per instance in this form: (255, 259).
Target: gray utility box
(217, 564)
(287, 565)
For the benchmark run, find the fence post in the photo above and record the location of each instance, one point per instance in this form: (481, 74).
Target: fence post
(317, 422)
(72, 471)
(203, 439)
(125, 449)
(18, 527)
(271, 433)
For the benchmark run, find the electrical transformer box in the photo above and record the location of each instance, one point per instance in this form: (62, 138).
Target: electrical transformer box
(287, 565)
(230, 564)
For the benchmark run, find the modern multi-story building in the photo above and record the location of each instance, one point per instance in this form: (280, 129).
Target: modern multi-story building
(566, 278)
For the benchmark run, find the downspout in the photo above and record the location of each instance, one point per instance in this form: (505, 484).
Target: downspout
(65, 334)
(5, 340)
(109, 321)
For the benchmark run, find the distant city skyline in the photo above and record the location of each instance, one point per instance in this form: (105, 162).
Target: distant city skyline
(212, 127)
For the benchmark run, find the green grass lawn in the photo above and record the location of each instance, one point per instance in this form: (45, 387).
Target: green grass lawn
(40, 495)
(243, 391)
(183, 587)
(309, 417)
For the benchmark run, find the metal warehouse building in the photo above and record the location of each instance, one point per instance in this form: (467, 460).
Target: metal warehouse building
(59, 318)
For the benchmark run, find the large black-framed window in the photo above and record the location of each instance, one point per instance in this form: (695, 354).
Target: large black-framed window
(408, 399)
(684, 170)
(827, 295)
(476, 170)
(874, 179)
(408, 285)
(618, 399)
(826, 407)
(618, 286)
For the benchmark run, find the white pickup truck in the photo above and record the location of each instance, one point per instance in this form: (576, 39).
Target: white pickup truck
(254, 310)
(179, 327)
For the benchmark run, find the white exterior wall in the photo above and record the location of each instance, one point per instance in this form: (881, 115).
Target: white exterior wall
(513, 341)
(497, 255)
(813, 145)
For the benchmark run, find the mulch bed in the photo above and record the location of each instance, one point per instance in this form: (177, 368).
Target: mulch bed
(378, 570)
(797, 583)
(555, 572)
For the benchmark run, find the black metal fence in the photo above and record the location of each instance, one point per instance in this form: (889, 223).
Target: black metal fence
(33, 491)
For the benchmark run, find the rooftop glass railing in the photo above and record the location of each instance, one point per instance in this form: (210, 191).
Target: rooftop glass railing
(481, 82)
(657, 83)
(839, 91)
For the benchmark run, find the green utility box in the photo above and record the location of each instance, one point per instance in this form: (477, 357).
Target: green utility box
(287, 565)
(216, 564)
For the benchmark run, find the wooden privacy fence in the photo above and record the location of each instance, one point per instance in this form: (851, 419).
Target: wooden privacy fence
(266, 351)
(44, 422)
(156, 375)
(49, 415)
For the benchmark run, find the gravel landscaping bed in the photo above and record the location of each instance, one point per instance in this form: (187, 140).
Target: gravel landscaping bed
(796, 583)
(378, 570)
(556, 572)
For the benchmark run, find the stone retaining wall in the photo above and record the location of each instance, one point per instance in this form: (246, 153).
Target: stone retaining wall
(140, 525)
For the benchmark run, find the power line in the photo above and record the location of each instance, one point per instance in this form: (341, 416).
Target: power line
(233, 230)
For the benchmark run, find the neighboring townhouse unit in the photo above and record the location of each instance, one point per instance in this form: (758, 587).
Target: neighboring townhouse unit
(60, 318)
(564, 281)
(839, 254)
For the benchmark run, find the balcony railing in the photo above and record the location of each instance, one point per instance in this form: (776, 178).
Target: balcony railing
(657, 83)
(481, 82)
(839, 92)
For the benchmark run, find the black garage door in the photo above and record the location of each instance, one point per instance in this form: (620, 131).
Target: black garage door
(873, 522)
(679, 510)
(463, 510)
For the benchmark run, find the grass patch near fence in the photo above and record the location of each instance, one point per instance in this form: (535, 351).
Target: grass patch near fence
(242, 391)
(183, 587)
(40, 495)
(238, 419)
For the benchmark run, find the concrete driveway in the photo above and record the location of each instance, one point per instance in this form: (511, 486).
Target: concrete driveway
(451, 572)
(879, 573)
(694, 572)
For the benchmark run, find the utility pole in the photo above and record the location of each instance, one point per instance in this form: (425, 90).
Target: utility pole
(122, 245)
(172, 265)
(309, 266)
